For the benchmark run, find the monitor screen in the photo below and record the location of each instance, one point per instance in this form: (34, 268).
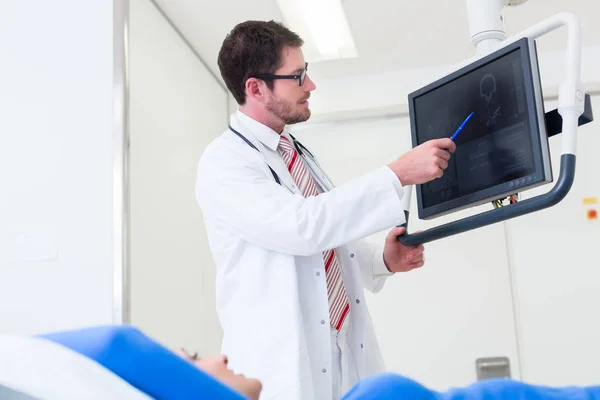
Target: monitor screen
(503, 147)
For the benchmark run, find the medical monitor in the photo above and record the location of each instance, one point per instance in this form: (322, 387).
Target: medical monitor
(503, 149)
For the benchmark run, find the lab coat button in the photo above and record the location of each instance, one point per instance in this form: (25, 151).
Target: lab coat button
(357, 301)
(318, 273)
(351, 255)
(323, 370)
(361, 346)
(322, 322)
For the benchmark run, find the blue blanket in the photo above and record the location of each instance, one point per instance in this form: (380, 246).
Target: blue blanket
(392, 386)
(161, 374)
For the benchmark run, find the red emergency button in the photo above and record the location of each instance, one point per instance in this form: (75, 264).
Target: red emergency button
(592, 214)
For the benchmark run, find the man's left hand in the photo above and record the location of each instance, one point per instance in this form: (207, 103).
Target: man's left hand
(401, 258)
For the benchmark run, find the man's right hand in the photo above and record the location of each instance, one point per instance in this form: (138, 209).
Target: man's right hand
(424, 163)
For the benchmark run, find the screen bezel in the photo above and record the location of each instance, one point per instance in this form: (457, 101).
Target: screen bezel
(534, 102)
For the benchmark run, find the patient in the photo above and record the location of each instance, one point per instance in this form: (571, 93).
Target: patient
(154, 369)
(216, 366)
(161, 374)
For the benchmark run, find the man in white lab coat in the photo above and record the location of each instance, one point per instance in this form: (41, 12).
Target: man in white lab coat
(291, 266)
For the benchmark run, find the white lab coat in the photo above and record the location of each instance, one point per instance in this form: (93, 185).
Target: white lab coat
(267, 242)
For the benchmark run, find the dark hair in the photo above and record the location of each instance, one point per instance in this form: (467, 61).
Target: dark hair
(251, 48)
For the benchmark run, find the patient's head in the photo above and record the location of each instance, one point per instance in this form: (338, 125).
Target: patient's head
(216, 366)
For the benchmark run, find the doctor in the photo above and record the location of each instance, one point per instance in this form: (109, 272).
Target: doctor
(291, 266)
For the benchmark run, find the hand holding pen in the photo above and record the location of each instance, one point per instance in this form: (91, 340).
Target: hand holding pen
(427, 161)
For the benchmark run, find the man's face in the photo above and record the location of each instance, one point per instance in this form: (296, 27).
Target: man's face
(289, 101)
(217, 367)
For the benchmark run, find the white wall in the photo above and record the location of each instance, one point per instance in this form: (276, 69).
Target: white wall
(176, 108)
(56, 133)
(556, 264)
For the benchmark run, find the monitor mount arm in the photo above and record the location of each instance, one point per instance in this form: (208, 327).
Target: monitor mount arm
(487, 35)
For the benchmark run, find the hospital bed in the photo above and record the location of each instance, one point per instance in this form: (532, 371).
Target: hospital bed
(120, 362)
(104, 362)
(36, 368)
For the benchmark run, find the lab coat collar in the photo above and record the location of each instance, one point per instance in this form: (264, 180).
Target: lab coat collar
(267, 140)
(267, 136)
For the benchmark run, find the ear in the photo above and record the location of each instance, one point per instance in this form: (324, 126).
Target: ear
(256, 89)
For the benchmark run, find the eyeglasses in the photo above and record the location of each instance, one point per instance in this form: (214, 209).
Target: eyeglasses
(301, 76)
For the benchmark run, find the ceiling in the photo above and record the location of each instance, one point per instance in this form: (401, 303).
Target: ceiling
(390, 35)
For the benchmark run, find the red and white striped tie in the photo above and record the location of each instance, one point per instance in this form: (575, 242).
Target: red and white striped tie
(336, 291)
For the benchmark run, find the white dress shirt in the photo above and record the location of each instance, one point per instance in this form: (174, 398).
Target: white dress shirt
(267, 242)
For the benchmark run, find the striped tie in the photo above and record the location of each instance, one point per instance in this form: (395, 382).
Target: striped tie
(336, 292)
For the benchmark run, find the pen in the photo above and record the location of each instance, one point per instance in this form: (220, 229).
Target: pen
(460, 128)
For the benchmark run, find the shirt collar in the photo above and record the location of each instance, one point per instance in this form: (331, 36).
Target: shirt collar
(261, 132)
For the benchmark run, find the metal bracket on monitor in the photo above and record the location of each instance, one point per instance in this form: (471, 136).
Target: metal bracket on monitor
(554, 121)
(573, 103)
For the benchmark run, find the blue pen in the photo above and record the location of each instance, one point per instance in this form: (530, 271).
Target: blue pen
(460, 128)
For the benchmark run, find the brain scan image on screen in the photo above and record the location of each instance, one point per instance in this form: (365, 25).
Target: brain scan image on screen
(487, 90)
(495, 146)
(503, 148)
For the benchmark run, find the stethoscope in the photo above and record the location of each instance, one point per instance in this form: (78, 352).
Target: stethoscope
(308, 157)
